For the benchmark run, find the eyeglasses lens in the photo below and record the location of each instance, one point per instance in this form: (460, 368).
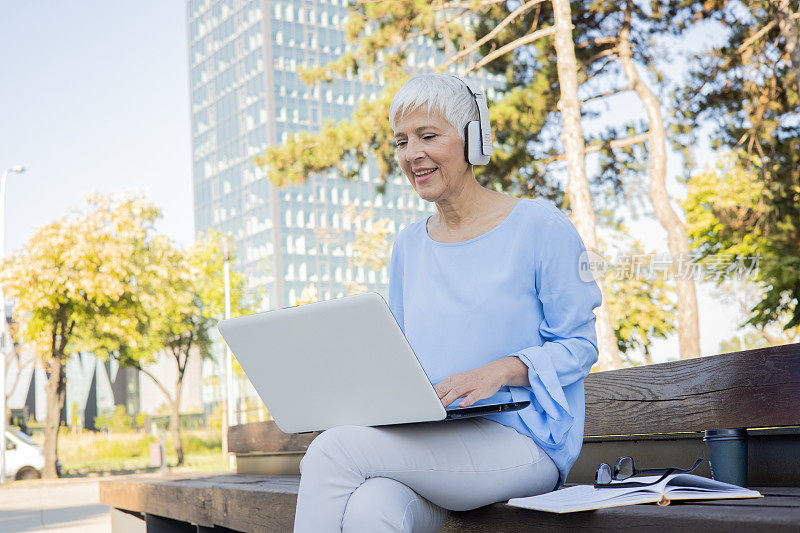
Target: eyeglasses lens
(623, 468)
(603, 474)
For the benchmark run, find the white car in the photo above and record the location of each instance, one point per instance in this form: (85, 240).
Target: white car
(24, 458)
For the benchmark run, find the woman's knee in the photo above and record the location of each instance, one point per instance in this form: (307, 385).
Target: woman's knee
(381, 504)
(331, 445)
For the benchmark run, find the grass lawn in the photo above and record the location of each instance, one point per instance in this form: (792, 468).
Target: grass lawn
(97, 453)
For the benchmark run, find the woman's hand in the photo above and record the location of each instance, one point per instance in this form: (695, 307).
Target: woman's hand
(481, 382)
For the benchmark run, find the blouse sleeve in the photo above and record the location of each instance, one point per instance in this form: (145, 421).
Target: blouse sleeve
(567, 329)
(396, 285)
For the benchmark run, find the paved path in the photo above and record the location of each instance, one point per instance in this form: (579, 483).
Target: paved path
(64, 505)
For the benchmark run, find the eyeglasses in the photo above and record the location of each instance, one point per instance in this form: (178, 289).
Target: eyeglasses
(623, 469)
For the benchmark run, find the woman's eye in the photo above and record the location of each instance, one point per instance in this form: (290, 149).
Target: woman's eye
(424, 137)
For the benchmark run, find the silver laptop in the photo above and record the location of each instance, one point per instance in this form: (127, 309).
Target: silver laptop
(342, 361)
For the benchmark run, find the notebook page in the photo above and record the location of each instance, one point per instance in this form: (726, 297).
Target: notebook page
(586, 497)
(689, 486)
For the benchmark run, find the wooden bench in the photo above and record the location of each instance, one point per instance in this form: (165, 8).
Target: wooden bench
(656, 414)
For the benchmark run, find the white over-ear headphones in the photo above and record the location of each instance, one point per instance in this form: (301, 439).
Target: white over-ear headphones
(477, 133)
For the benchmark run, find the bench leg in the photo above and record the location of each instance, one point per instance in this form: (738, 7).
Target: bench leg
(159, 524)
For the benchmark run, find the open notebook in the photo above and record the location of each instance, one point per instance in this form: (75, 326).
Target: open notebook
(673, 487)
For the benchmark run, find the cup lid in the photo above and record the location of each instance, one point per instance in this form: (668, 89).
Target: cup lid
(738, 432)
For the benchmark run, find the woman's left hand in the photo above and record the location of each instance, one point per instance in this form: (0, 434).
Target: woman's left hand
(475, 384)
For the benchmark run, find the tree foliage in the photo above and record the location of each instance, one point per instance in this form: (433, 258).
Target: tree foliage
(190, 288)
(730, 213)
(746, 87)
(76, 277)
(642, 310)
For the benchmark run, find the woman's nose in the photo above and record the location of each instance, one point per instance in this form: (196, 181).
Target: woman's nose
(413, 151)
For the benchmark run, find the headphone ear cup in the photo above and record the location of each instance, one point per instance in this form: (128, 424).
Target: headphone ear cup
(472, 144)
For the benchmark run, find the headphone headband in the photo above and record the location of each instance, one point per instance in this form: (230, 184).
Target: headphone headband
(483, 114)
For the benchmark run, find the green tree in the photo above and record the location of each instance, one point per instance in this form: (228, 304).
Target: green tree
(730, 214)
(746, 87)
(641, 309)
(74, 277)
(190, 289)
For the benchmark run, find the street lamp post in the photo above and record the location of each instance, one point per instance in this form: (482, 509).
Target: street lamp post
(4, 341)
(230, 399)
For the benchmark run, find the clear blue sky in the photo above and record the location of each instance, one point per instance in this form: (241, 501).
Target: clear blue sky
(94, 97)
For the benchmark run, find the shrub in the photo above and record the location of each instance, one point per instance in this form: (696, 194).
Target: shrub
(118, 422)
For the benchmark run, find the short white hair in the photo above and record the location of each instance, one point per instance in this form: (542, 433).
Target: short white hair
(450, 97)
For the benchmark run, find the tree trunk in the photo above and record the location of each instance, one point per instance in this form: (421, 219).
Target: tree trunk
(175, 422)
(578, 186)
(788, 29)
(677, 238)
(55, 392)
(648, 359)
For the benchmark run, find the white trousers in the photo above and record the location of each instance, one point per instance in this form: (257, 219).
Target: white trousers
(407, 477)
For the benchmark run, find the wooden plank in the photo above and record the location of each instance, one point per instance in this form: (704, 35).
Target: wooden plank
(501, 518)
(238, 502)
(259, 503)
(266, 437)
(753, 388)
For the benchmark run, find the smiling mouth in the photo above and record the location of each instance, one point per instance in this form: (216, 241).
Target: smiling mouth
(422, 176)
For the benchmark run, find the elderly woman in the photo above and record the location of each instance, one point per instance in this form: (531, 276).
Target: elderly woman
(488, 294)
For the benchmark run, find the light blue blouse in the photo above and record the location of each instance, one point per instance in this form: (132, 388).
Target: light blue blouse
(514, 290)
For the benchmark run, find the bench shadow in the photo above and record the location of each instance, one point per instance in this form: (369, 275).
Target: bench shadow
(38, 519)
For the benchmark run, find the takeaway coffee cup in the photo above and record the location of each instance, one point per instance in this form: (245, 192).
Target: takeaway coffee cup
(727, 449)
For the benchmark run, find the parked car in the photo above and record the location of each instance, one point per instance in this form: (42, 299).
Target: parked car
(24, 458)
